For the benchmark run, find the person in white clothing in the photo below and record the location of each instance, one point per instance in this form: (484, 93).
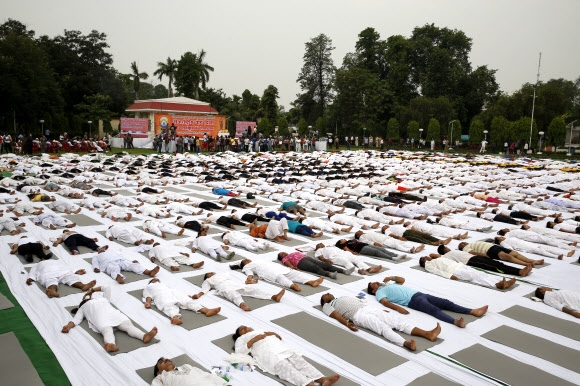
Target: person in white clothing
(167, 374)
(171, 257)
(10, 225)
(152, 211)
(275, 357)
(115, 214)
(383, 240)
(233, 290)
(538, 249)
(450, 269)
(51, 273)
(169, 301)
(113, 262)
(64, 207)
(336, 256)
(51, 220)
(563, 300)
(211, 247)
(23, 207)
(103, 318)
(161, 229)
(127, 234)
(327, 226)
(239, 239)
(277, 273)
(454, 222)
(533, 237)
(178, 207)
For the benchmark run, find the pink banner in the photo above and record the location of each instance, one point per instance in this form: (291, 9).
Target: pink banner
(242, 127)
(137, 127)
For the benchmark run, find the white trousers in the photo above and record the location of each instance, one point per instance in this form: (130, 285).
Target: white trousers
(114, 268)
(472, 275)
(68, 278)
(235, 296)
(127, 326)
(383, 323)
(276, 228)
(292, 277)
(296, 370)
(185, 303)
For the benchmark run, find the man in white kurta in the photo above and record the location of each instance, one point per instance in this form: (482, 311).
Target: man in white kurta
(534, 237)
(178, 207)
(243, 240)
(51, 273)
(211, 247)
(127, 234)
(64, 207)
(454, 222)
(233, 290)
(185, 375)
(153, 211)
(171, 256)
(113, 262)
(454, 270)
(11, 226)
(51, 220)
(327, 226)
(278, 273)
(538, 249)
(336, 256)
(160, 228)
(562, 300)
(383, 240)
(103, 318)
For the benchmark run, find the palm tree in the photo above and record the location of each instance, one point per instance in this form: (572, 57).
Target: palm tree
(202, 72)
(137, 76)
(167, 69)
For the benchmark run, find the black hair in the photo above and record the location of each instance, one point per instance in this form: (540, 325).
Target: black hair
(501, 232)
(539, 293)
(205, 276)
(340, 245)
(322, 302)
(240, 265)
(280, 257)
(75, 310)
(356, 235)
(478, 214)
(237, 334)
(549, 225)
(156, 367)
(370, 289)
(422, 260)
(441, 249)
(223, 234)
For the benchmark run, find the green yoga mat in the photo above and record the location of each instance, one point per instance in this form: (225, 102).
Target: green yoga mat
(548, 322)
(343, 344)
(422, 344)
(253, 303)
(419, 268)
(505, 368)
(122, 340)
(147, 373)
(191, 319)
(431, 379)
(63, 290)
(536, 346)
(15, 366)
(82, 220)
(227, 344)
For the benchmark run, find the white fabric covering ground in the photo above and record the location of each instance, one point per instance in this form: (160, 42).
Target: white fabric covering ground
(87, 363)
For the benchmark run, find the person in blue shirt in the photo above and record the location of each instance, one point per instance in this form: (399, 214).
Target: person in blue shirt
(304, 230)
(292, 207)
(224, 192)
(395, 295)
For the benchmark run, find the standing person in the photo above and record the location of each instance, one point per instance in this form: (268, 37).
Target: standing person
(103, 318)
(483, 143)
(7, 143)
(43, 143)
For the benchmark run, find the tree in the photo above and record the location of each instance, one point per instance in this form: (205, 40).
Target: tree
(282, 126)
(433, 130)
(368, 49)
(317, 74)
(556, 135)
(476, 132)
(393, 129)
(413, 130)
(454, 131)
(268, 104)
(202, 72)
(186, 75)
(320, 126)
(500, 130)
(265, 127)
(302, 127)
(137, 76)
(94, 108)
(167, 69)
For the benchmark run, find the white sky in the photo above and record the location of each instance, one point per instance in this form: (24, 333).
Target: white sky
(254, 43)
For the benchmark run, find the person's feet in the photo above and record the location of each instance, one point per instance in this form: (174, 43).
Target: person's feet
(52, 293)
(174, 268)
(52, 227)
(317, 282)
(180, 231)
(89, 285)
(150, 335)
(327, 381)
(410, 345)
(102, 249)
(434, 333)
(148, 242)
(526, 271)
(479, 312)
(120, 279)
(110, 347)
(418, 249)
(245, 307)
(279, 239)
(74, 252)
(175, 320)
(445, 242)
(332, 275)
(296, 287)
(278, 296)
(459, 322)
(154, 271)
(212, 311)
(317, 234)
(538, 262)
(197, 265)
(72, 225)
(138, 242)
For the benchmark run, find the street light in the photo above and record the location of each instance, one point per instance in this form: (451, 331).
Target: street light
(90, 129)
(41, 126)
(420, 137)
(364, 135)
(570, 140)
(451, 141)
(541, 133)
(485, 134)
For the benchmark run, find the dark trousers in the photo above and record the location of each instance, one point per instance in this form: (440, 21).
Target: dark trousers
(237, 203)
(523, 215)
(373, 250)
(434, 306)
(149, 190)
(419, 237)
(32, 249)
(74, 240)
(249, 217)
(317, 267)
(101, 192)
(393, 200)
(228, 221)
(278, 216)
(354, 205)
(207, 205)
(506, 219)
(492, 265)
(304, 230)
(193, 225)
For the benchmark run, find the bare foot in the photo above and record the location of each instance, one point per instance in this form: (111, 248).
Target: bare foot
(176, 320)
(295, 287)
(316, 234)
(410, 344)
(180, 232)
(244, 307)
(197, 265)
(506, 283)
(538, 262)
(459, 322)
(278, 296)
(526, 271)
(419, 248)
(52, 293)
(434, 333)
(110, 347)
(375, 269)
(479, 312)
(317, 282)
(154, 271)
(327, 381)
(150, 335)
(120, 279)
(89, 285)
(445, 242)
(174, 268)
(212, 311)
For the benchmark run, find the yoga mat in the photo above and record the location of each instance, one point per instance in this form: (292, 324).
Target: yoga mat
(541, 320)
(5, 303)
(343, 344)
(419, 268)
(431, 379)
(130, 277)
(504, 368)
(169, 237)
(172, 189)
(340, 277)
(82, 220)
(15, 366)
(536, 346)
(206, 197)
(122, 339)
(63, 289)
(253, 303)
(198, 187)
(227, 344)
(291, 243)
(403, 260)
(191, 319)
(422, 344)
(575, 263)
(182, 268)
(147, 373)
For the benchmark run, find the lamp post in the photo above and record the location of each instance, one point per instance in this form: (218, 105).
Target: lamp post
(90, 129)
(485, 135)
(41, 126)
(541, 133)
(364, 135)
(310, 131)
(570, 140)
(451, 140)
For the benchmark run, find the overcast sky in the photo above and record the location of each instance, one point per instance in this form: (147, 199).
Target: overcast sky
(254, 43)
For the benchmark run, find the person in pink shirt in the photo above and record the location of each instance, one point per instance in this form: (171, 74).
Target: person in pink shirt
(298, 260)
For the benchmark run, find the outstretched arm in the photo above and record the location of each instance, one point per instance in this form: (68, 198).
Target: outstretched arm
(396, 279)
(67, 328)
(336, 315)
(569, 311)
(393, 306)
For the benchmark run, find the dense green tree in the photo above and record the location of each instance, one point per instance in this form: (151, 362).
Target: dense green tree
(202, 72)
(398, 70)
(12, 26)
(216, 98)
(476, 132)
(500, 130)
(454, 131)
(368, 50)
(520, 130)
(320, 126)
(433, 130)
(556, 134)
(302, 127)
(269, 104)
(265, 127)
(168, 70)
(186, 75)
(282, 126)
(317, 74)
(413, 130)
(393, 129)
(137, 76)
